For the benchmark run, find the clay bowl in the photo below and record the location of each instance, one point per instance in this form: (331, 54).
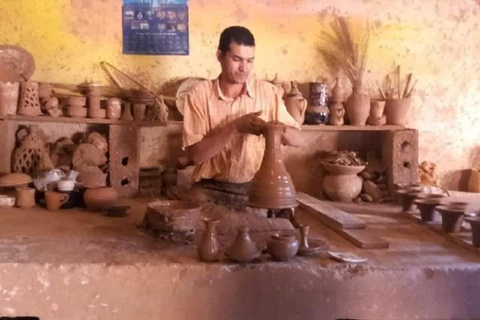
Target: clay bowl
(76, 111)
(338, 169)
(406, 198)
(77, 101)
(427, 208)
(97, 113)
(452, 218)
(475, 223)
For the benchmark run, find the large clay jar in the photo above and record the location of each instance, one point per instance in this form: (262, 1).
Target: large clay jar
(272, 186)
(357, 107)
(475, 223)
(208, 248)
(243, 248)
(282, 247)
(296, 104)
(9, 92)
(396, 111)
(342, 183)
(100, 198)
(25, 197)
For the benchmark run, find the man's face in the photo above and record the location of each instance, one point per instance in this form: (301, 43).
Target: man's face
(237, 63)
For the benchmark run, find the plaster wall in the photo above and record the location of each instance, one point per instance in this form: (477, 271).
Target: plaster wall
(439, 41)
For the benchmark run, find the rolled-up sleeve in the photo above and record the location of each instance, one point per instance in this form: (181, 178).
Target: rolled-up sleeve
(194, 119)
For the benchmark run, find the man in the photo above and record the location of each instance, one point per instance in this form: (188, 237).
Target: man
(223, 118)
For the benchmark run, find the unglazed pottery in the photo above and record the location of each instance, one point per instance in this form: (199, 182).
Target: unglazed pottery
(54, 200)
(342, 183)
(243, 248)
(100, 198)
(96, 113)
(25, 198)
(452, 218)
(282, 247)
(114, 108)
(272, 186)
(296, 104)
(309, 246)
(77, 111)
(139, 111)
(427, 208)
(208, 248)
(357, 107)
(376, 116)
(475, 224)
(29, 102)
(127, 112)
(396, 111)
(14, 179)
(9, 92)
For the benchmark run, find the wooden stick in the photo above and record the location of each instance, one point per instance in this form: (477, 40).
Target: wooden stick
(130, 78)
(398, 81)
(411, 90)
(111, 75)
(405, 90)
(380, 90)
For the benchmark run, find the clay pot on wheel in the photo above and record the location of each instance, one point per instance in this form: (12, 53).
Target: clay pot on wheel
(452, 218)
(427, 208)
(282, 247)
(100, 198)
(342, 183)
(406, 198)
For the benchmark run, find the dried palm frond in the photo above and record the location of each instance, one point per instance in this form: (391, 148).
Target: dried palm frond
(345, 50)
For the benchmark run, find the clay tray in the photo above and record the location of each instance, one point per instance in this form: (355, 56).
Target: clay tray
(462, 238)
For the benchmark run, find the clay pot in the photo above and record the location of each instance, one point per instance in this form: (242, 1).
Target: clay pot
(338, 94)
(9, 92)
(127, 112)
(357, 107)
(376, 117)
(93, 101)
(114, 108)
(406, 198)
(139, 111)
(452, 218)
(45, 91)
(208, 249)
(77, 101)
(282, 247)
(272, 186)
(427, 208)
(475, 224)
(25, 198)
(54, 200)
(100, 198)
(77, 111)
(243, 248)
(342, 183)
(296, 104)
(97, 113)
(396, 111)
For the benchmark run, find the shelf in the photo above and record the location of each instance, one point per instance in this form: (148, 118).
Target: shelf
(81, 120)
(316, 127)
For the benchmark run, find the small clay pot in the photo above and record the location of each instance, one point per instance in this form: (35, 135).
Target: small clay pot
(243, 248)
(282, 247)
(139, 111)
(100, 198)
(97, 113)
(114, 108)
(406, 198)
(76, 111)
(54, 200)
(396, 111)
(77, 101)
(25, 198)
(475, 223)
(452, 218)
(427, 208)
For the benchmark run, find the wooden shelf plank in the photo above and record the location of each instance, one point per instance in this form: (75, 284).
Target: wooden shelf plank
(81, 120)
(307, 127)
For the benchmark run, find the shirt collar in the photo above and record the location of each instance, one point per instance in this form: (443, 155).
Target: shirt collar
(247, 89)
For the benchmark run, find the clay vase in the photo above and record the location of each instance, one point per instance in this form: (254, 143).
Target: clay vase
(317, 111)
(127, 112)
(282, 247)
(296, 104)
(406, 197)
(357, 107)
(475, 224)
(376, 117)
(139, 111)
(452, 218)
(396, 111)
(243, 248)
(272, 186)
(342, 183)
(29, 102)
(208, 248)
(427, 208)
(114, 108)
(25, 198)
(304, 230)
(100, 198)
(9, 92)
(54, 200)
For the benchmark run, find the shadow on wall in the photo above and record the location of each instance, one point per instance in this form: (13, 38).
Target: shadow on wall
(456, 180)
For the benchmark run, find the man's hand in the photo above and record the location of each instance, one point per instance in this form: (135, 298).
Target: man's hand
(250, 123)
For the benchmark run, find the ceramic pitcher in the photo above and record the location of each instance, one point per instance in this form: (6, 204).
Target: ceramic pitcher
(208, 248)
(296, 104)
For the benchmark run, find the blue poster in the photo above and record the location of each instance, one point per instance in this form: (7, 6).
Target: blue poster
(155, 27)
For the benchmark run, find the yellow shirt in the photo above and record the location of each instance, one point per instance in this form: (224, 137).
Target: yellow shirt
(206, 108)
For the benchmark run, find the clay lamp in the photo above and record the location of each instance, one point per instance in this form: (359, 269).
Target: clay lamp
(406, 198)
(272, 186)
(475, 223)
(427, 208)
(452, 218)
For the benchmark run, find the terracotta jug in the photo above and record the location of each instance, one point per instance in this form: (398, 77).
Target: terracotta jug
(272, 186)
(296, 104)
(25, 198)
(208, 249)
(243, 248)
(100, 198)
(282, 247)
(358, 106)
(54, 200)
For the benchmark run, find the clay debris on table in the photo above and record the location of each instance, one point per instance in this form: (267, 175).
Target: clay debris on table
(346, 158)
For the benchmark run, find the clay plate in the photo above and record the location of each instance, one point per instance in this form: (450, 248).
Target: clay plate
(314, 246)
(16, 63)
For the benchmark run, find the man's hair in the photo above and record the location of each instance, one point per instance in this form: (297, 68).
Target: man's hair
(240, 35)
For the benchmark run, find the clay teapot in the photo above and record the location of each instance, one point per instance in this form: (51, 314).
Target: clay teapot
(296, 104)
(282, 247)
(243, 248)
